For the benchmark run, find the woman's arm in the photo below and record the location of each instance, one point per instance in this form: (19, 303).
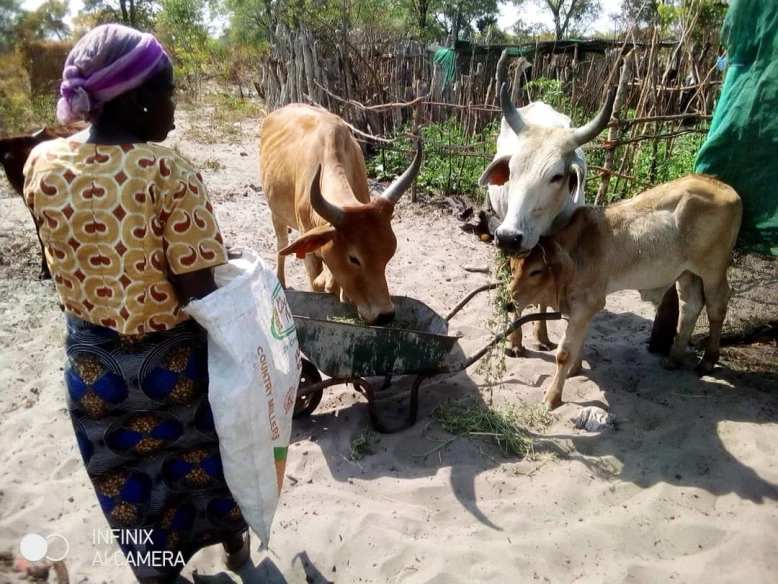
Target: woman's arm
(193, 285)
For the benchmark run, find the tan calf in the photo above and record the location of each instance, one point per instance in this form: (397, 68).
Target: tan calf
(313, 175)
(680, 232)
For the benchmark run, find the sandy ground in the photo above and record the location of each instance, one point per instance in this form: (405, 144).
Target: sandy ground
(684, 489)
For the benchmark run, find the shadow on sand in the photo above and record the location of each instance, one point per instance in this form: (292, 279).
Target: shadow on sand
(650, 449)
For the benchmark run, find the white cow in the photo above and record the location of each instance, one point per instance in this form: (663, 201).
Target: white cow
(537, 178)
(538, 174)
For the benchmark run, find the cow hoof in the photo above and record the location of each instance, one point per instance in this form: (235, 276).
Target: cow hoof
(704, 368)
(514, 351)
(552, 404)
(540, 346)
(659, 347)
(670, 364)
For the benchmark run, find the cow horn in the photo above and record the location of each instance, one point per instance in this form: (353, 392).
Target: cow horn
(38, 133)
(398, 187)
(326, 210)
(588, 132)
(509, 111)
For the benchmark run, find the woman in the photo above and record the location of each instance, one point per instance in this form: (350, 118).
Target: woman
(130, 237)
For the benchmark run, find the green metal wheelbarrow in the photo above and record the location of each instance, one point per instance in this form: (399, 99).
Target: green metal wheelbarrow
(417, 344)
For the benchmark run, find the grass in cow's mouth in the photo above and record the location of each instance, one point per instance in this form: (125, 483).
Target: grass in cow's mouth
(492, 366)
(355, 320)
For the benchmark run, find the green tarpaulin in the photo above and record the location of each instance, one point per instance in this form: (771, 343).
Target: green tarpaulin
(447, 58)
(742, 146)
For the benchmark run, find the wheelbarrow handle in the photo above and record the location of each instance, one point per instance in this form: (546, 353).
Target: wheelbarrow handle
(468, 298)
(502, 336)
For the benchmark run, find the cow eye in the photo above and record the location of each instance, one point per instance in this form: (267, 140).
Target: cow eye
(557, 178)
(535, 272)
(354, 260)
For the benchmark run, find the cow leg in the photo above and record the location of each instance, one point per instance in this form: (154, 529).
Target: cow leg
(330, 285)
(690, 302)
(44, 274)
(316, 276)
(665, 322)
(282, 240)
(577, 366)
(540, 332)
(515, 347)
(568, 354)
(717, 295)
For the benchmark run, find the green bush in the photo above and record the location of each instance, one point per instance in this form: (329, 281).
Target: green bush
(668, 160)
(443, 171)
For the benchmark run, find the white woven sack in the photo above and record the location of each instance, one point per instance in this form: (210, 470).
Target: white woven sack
(254, 368)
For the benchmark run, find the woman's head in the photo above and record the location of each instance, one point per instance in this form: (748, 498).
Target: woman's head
(118, 76)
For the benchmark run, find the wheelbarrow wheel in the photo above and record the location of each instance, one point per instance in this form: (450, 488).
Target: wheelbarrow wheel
(306, 404)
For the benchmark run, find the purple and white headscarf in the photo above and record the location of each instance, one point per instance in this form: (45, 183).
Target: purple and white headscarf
(108, 61)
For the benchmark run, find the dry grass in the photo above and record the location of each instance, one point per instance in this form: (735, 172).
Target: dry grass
(18, 110)
(43, 61)
(221, 118)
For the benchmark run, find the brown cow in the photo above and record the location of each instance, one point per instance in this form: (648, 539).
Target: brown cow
(14, 151)
(682, 232)
(313, 175)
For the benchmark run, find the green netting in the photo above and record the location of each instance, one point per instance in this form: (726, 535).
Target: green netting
(742, 146)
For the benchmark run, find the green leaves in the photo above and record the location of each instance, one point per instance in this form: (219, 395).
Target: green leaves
(451, 163)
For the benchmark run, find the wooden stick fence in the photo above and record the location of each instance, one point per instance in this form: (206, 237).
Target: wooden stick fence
(381, 85)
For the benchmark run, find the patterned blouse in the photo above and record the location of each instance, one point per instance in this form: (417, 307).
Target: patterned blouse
(115, 221)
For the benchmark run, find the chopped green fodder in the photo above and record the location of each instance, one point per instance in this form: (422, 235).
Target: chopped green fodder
(363, 444)
(355, 320)
(502, 425)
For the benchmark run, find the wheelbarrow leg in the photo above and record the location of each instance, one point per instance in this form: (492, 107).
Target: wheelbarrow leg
(366, 389)
(387, 382)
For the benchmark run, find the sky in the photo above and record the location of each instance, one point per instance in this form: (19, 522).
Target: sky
(509, 14)
(532, 14)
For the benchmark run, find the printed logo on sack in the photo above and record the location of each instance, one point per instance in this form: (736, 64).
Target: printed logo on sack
(34, 547)
(282, 324)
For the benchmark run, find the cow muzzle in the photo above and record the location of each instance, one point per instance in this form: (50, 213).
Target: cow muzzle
(510, 242)
(377, 318)
(384, 318)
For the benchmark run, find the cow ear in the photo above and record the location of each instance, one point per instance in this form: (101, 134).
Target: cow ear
(310, 242)
(577, 182)
(497, 173)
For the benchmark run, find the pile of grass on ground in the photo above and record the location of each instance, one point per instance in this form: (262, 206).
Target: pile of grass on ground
(508, 426)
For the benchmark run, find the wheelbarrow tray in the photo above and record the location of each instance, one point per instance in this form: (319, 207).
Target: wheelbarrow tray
(358, 350)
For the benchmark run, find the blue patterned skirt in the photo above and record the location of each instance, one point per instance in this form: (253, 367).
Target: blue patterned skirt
(139, 406)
